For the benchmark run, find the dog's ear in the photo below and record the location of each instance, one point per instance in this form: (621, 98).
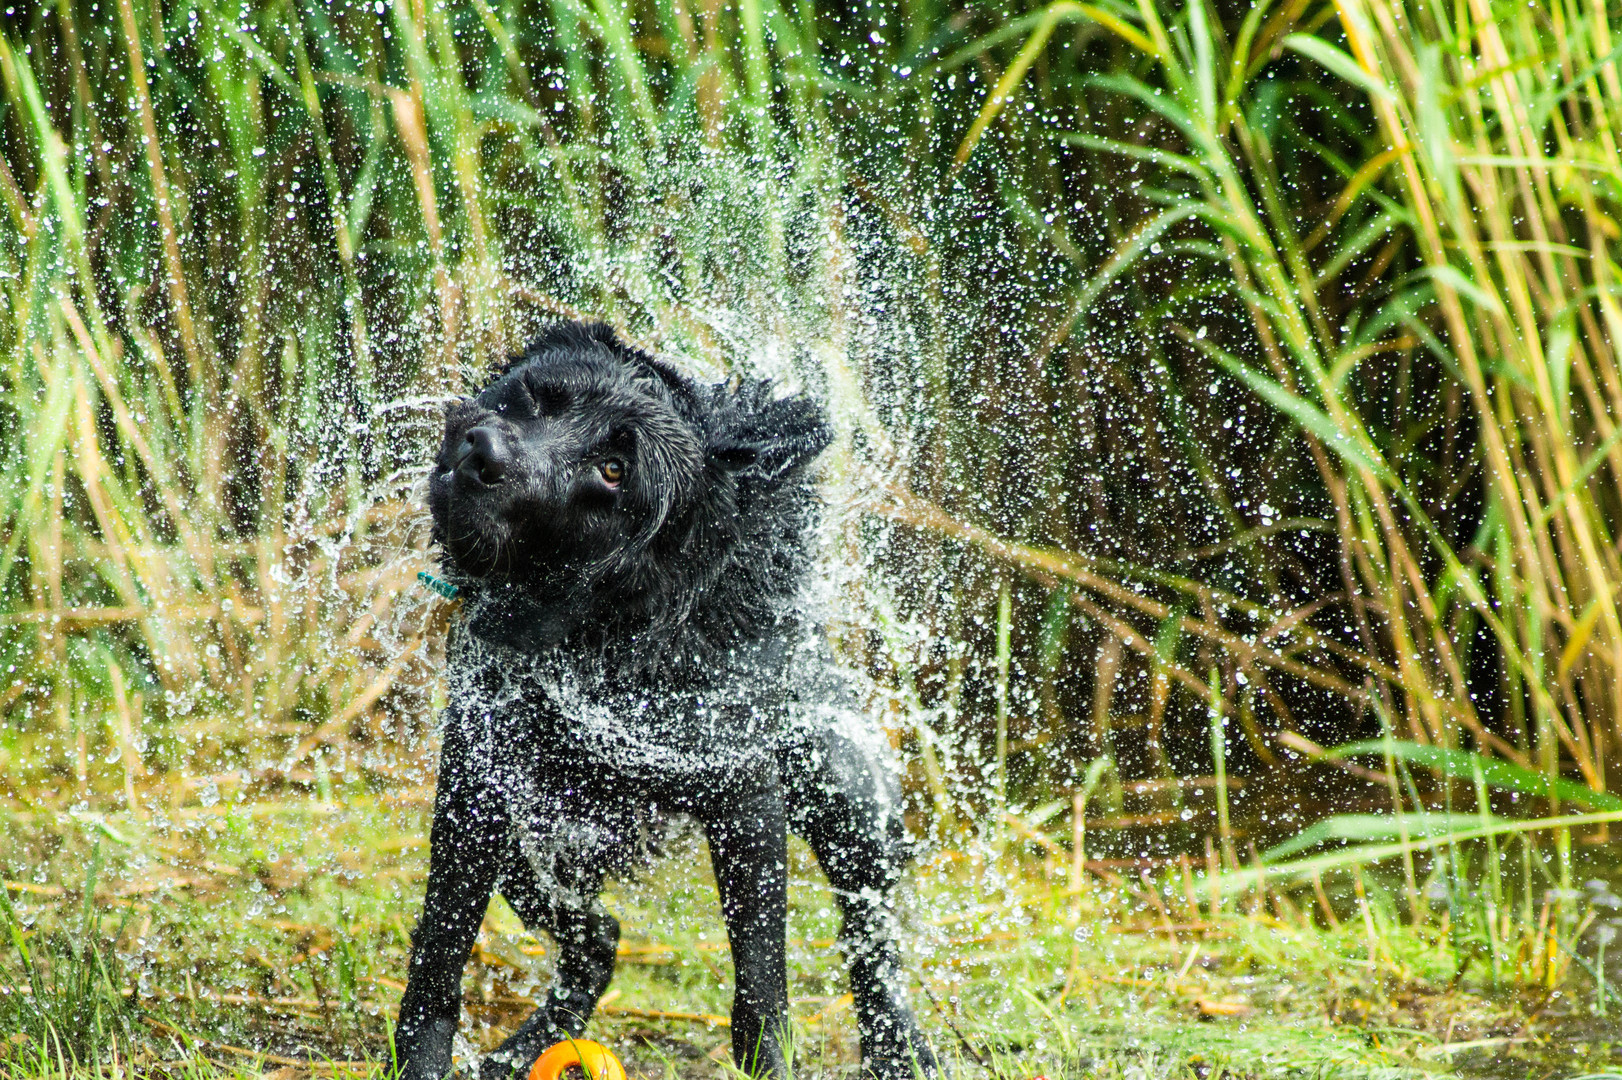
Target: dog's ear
(762, 438)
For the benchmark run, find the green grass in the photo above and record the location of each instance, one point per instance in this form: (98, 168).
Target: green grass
(1190, 220)
(267, 932)
(65, 996)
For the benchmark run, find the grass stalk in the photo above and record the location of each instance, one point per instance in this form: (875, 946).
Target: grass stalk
(1005, 625)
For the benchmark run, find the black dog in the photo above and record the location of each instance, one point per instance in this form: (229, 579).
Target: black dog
(631, 546)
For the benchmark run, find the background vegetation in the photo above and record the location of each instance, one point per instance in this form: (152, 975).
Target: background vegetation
(1216, 383)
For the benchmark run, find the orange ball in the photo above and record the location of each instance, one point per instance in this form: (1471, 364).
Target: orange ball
(594, 1059)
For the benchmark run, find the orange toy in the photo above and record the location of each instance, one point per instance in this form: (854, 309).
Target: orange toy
(593, 1058)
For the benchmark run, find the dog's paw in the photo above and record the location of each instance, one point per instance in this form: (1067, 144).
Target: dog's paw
(918, 1065)
(506, 1065)
(513, 1059)
(424, 1051)
(902, 1053)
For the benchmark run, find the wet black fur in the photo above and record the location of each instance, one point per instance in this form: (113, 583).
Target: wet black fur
(631, 546)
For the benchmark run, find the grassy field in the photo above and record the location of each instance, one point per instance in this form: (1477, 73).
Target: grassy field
(1225, 398)
(260, 935)
(245, 929)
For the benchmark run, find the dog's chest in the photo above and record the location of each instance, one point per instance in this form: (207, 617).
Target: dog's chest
(590, 767)
(541, 717)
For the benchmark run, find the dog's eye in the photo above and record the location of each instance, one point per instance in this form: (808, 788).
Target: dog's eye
(612, 471)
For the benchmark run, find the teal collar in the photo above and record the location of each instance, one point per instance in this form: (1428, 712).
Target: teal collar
(443, 588)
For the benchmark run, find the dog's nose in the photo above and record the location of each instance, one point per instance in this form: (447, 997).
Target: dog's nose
(483, 456)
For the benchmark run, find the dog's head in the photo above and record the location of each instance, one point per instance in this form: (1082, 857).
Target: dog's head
(587, 460)
(576, 453)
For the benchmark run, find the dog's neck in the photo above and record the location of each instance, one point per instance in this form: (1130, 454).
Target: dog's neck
(522, 617)
(706, 594)
(529, 619)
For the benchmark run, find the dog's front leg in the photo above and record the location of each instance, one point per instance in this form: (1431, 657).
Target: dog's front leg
(465, 844)
(749, 849)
